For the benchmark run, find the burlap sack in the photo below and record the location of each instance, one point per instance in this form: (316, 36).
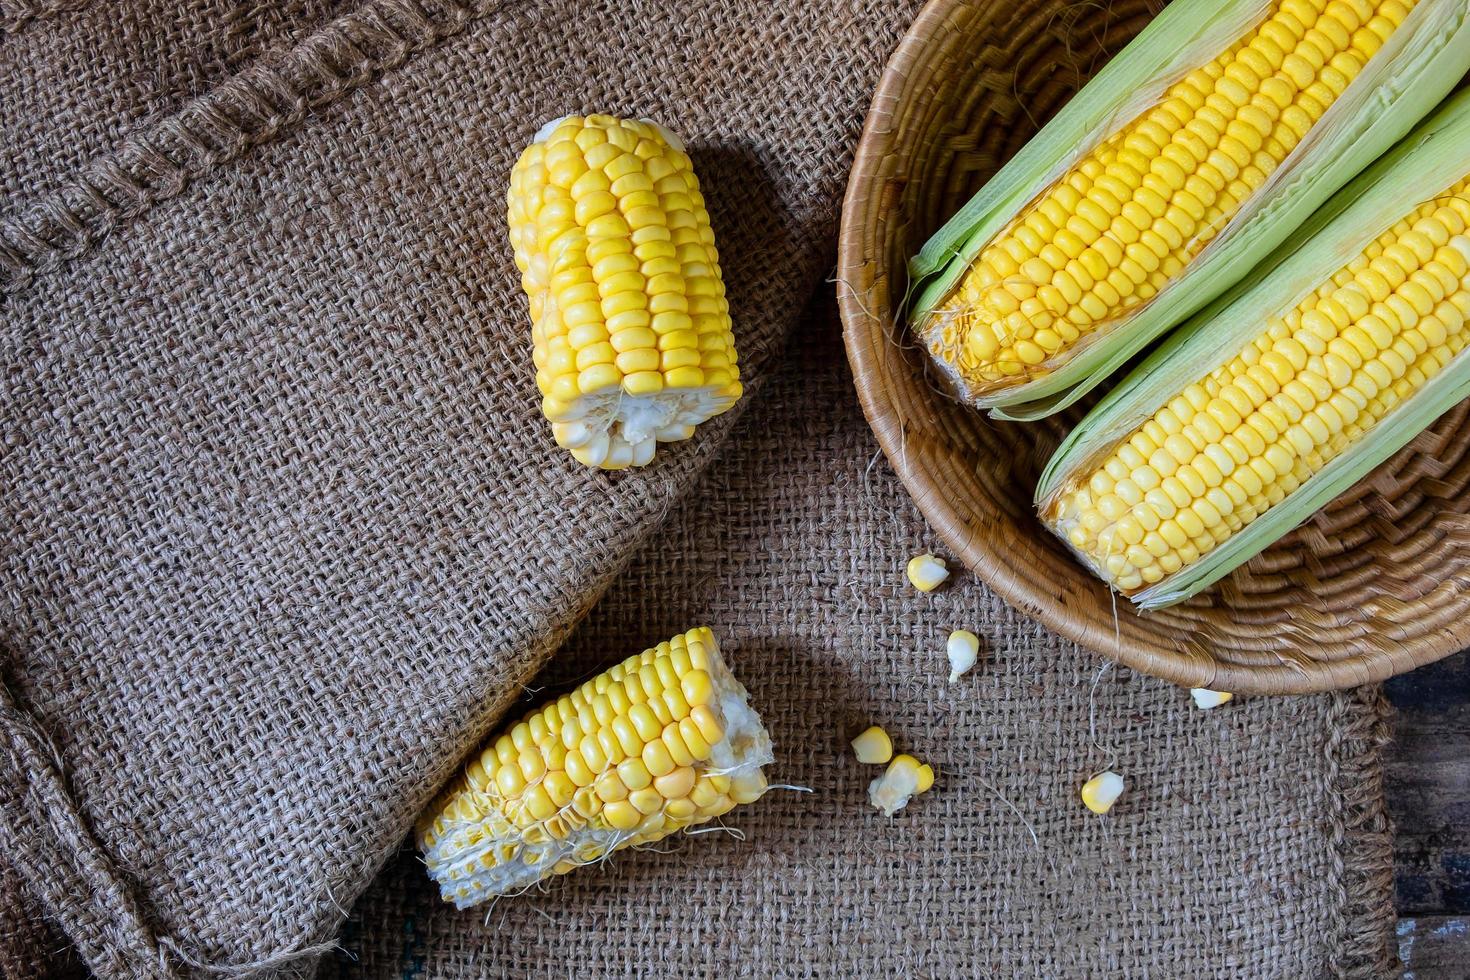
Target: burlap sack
(284, 535)
(283, 531)
(1252, 841)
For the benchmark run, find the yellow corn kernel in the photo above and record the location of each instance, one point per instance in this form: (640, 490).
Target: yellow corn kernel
(615, 253)
(905, 778)
(747, 787)
(1101, 791)
(963, 649)
(873, 746)
(1206, 699)
(676, 783)
(595, 771)
(926, 572)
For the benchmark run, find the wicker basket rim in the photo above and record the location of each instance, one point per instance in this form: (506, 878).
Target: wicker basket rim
(870, 350)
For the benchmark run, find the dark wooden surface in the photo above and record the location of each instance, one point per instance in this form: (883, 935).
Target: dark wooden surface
(1428, 776)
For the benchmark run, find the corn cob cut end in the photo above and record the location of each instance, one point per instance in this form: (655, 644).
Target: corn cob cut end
(631, 329)
(663, 741)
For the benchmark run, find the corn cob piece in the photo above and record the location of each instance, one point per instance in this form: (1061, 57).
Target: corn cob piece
(1104, 235)
(1281, 396)
(663, 741)
(629, 321)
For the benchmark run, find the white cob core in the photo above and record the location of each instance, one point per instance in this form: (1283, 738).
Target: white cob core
(615, 429)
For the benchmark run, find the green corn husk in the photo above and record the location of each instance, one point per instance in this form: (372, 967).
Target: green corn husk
(1433, 158)
(1403, 81)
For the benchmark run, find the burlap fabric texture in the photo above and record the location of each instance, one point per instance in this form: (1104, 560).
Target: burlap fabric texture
(284, 536)
(1252, 841)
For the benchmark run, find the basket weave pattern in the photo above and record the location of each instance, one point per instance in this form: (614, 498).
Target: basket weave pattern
(1373, 585)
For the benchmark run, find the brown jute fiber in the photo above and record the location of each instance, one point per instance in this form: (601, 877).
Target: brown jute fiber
(283, 529)
(1373, 585)
(283, 533)
(1252, 840)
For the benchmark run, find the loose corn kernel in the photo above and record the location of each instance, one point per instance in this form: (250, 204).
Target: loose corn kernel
(905, 778)
(593, 771)
(630, 327)
(926, 572)
(963, 650)
(873, 746)
(1101, 791)
(1206, 699)
(1137, 208)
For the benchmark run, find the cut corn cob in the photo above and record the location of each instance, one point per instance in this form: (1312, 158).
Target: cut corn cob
(1280, 396)
(631, 329)
(1239, 119)
(663, 741)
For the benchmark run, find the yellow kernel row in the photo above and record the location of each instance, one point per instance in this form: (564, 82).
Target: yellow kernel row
(627, 757)
(1315, 380)
(1127, 218)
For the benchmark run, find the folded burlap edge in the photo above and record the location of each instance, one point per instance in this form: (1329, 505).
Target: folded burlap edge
(44, 835)
(51, 850)
(1364, 844)
(265, 100)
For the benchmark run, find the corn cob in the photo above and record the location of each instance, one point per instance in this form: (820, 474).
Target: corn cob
(1282, 394)
(1241, 118)
(663, 741)
(629, 321)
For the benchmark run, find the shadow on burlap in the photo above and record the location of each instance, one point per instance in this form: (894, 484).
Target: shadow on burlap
(1252, 841)
(284, 533)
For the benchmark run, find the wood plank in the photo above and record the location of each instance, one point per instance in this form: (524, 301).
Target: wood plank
(1435, 947)
(1428, 784)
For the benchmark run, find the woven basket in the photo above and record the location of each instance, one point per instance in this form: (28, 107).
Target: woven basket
(1370, 587)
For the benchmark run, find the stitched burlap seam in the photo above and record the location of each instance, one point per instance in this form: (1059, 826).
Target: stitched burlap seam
(44, 834)
(15, 15)
(255, 106)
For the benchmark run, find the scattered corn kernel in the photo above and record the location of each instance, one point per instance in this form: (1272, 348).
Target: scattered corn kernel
(1205, 698)
(905, 778)
(963, 649)
(1101, 791)
(927, 572)
(873, 746)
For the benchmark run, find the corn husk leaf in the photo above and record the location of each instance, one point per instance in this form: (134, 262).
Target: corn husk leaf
(1407, 77)
(1431, 159)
